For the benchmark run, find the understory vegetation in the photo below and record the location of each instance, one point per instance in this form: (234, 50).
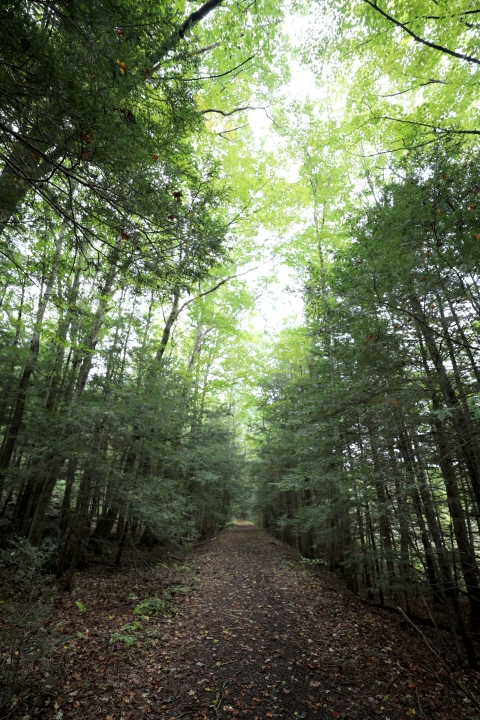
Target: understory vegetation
(163, 168)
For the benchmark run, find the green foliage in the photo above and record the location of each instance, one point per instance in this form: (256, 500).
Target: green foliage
(127, 637)
(151, 607)
(399, 69)
(313, 561)
(129, 640)
(25, 607)
(139, 404)
(355, 454)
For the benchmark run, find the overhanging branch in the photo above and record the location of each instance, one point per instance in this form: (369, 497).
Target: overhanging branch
(435, 128)
(227, 72)
(195, 17)
(432, 81)
(417, 38)
(231, 112)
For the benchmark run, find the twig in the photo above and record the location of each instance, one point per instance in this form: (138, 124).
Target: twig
(422, 634)
(429, 671)
(457, 682)
(246, 620)
(416, 618)
(226, 114)
(217, 701)
(439, 637)
(204, 542)
(420, 708)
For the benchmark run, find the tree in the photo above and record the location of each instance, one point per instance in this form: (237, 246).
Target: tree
(380, 439)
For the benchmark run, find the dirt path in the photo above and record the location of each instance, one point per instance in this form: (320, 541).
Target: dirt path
(259, 637)
(262, 640)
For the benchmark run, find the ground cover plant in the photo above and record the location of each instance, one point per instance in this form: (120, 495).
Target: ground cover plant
(239, 299)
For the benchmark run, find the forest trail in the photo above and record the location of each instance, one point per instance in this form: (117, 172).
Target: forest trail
(262, 639)
(258, 637)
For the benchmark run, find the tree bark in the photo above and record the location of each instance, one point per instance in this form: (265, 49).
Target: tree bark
(11, 436)
(38, 522)
(173, 315)
(468, 443)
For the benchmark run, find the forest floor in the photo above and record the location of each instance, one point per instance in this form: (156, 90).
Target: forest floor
(256, 635)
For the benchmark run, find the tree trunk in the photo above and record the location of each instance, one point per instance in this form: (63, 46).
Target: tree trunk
(43, 502)
(84, 504)
(461, 423)
(385, 528)
(53, 388)
(48, 485)
(11, 436)
(67, 496)
(173, 315)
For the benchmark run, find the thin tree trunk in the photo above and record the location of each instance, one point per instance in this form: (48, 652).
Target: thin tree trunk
(462, 425)
(91, 344)
(385, 528)
(67, 495)
(11, 436)
(53, 388)
(38, 522)
(173, 315)
(85, 498)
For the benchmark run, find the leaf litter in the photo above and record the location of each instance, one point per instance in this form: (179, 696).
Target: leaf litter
(242, 630)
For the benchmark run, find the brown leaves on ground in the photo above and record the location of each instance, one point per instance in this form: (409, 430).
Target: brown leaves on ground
(256, 637)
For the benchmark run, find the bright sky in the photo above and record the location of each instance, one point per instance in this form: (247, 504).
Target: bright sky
(278, 307)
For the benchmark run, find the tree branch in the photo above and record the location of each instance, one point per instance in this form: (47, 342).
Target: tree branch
(207, 48)
(232, 112)
(193, 19)
(419, 39)
(177, 309)
(432, 81)
(402, 148)
(445, 131)
(215, 287)
(212, 77)
(196, 17)
(239, 127)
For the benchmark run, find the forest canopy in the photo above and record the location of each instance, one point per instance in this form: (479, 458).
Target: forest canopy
(168, 173)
